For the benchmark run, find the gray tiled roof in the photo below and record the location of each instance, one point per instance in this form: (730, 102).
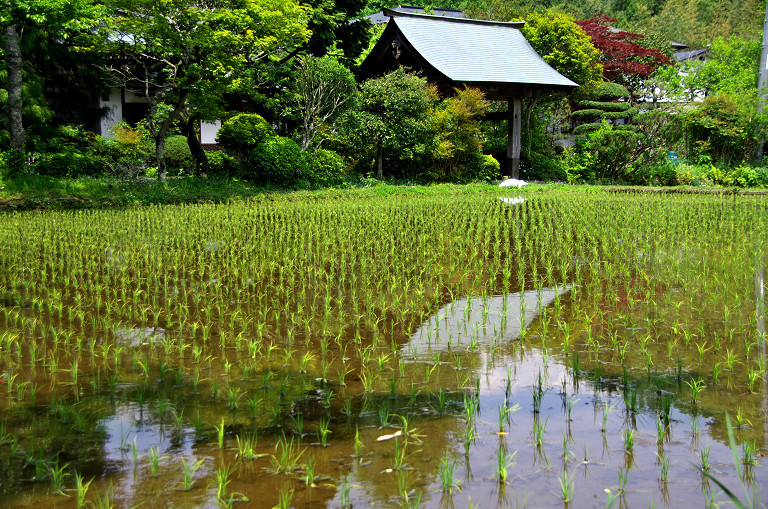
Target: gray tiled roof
(689, 55)
(380, 17)
(477, 51)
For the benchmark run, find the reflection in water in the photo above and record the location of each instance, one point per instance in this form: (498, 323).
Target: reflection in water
(761, 337)
(469, 322)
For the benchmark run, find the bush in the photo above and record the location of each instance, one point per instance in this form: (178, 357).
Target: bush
(128, 153)
(177, 154)
(278, 161)
(70, 152)
(242, 133)
(326, 168)
(222, 165)
(538, 166)
(489, 168)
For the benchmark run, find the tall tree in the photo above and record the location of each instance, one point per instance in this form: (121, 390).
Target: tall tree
(52, 20)
(182, 54)
(323, 91)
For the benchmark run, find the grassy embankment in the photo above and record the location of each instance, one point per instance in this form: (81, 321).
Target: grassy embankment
(47, 193)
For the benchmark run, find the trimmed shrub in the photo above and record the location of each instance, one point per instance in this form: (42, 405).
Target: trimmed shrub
(242, 133)
(278, 161)
(326, 168)
(177, 154)
(490, 169)
(222, 165)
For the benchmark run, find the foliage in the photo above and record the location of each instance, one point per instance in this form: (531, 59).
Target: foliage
(615, 154)
(242, 133)
(603, 103)
(278, 160)
(178, 155)
(33, 33)
(564, 46)
(325, 168)
(718, 129)
(624, 60)
(459, 143)
(323, 91)
(184, 55)
(392, 122)
(222, 164)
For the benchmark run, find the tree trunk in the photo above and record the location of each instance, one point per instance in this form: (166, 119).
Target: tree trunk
(13, 63)
(380, 161)
(162, 169)
(201, 158)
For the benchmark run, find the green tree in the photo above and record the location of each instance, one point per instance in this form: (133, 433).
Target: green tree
(183, 54)
(323, 91)
(393, 121)
(725, 124)
(564, 46)
(36, 20)
(459, 138)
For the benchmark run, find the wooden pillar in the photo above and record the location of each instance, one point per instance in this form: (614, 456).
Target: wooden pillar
(513, 136)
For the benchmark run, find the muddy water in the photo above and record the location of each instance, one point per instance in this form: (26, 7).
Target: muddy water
(584, 364)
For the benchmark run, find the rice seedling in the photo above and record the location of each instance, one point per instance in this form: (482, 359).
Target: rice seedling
(188, 472)
(538, 431)
(447, 471)
(154, 461)
(504, 461)
(57, 474)
(566, 487)
(81, 488)
(344, 492)
(323, 430)
(287, 456)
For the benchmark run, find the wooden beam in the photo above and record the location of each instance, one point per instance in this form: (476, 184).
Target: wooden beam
(513, 136)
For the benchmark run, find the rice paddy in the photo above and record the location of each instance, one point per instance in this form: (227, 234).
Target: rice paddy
(417, 350)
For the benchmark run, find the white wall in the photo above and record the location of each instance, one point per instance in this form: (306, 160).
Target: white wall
(114, 114)
(209, 131)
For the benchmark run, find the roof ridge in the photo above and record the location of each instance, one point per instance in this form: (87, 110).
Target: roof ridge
(394, 13)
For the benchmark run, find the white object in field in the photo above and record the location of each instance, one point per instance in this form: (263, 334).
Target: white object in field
(513, 183)
(512, 201)
(457, 324)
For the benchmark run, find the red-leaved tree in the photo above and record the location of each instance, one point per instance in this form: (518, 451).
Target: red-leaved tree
(624, 60)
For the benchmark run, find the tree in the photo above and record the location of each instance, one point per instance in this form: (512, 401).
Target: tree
(565, 46)
(323, 90)
(624, 60)
(392, 118)
(459, 138)
(183, 54)
(58, 21)
(333, 27)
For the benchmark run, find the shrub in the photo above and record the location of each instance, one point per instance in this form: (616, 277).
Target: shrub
(177, 154)
(69, 152)
(242, 133)
(222, 165)
(489, 168)
(128, 153)
(279, 161)
(326, 168)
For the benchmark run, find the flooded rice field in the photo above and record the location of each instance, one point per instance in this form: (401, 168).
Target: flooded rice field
(570, 349)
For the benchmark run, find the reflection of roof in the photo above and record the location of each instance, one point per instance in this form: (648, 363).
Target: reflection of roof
(697, 54)
(466, 50)
(379, 18)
